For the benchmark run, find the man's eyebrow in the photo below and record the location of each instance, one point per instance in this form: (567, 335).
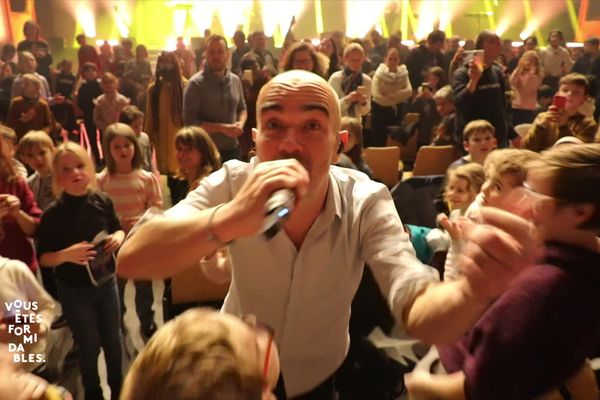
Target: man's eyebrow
(316, 107)
(270, 106)
(273, 106)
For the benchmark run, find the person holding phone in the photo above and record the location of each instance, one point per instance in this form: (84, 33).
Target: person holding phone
(479, 89)
(525, 80)
(563, 117)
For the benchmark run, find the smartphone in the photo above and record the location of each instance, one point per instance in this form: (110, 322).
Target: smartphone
(248, 76)
(362, 90)
(559, 101)
(473, 55)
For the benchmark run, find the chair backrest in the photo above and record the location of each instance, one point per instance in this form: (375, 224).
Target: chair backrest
(384, 163)
(408, 151)
(434, 160)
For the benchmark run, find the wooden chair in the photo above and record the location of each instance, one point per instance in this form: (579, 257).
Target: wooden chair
(384, 161)
(434, 160)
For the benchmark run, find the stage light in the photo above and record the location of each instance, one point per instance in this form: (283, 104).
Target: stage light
(574, 20)
(502, 27)
(531, 27)
(276, 18)
(85, 18)
(122, 19)
(318, 16)
(361, 16)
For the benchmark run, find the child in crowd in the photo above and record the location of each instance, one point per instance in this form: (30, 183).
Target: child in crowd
(89, 90)
(479, 140)
(19, 214)
(539, 331)
(561, 121)
(109, 104)
(28, 65)
(30, 111)
(64, 87)
(445, 133)
(197, 157)
(132, 116)
(463, 185)
(36, 148)
(204, 354)
(19, 284)
(505, 170)
(78, 236)
(132, 191)
(9, 144)
(525, 81)
(351, 156)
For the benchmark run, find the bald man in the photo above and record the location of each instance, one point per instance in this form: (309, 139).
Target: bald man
(302, 281)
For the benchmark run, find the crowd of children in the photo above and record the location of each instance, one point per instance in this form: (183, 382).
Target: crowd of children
(67, 209)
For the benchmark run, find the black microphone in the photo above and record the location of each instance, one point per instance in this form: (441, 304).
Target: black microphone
(277, 209)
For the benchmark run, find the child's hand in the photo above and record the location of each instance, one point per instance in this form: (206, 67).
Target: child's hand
(28, 115)
(422, 385)
(475, 72)
(114, 241)
(9, 205)
(79, 253)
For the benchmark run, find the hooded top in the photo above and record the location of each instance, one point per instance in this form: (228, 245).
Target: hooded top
(538, 333)
(391, 88)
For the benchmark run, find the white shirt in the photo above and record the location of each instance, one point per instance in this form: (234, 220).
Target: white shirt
(555, 61)
(305, 295)
(335, 80)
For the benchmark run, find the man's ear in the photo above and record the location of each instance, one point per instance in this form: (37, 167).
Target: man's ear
(254, 133)
(344, 137)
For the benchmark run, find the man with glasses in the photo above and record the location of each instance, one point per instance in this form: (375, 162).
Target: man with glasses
(301, 281)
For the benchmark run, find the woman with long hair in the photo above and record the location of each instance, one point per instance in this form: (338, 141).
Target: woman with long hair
(164, 110)
(525, 80)
(328, 49)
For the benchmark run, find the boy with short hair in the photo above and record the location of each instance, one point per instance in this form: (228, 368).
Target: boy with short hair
(9, 142)
(557, 122)
(30, 111)
(35, 149)
(132, 116)
(479, 140)
(203, 354)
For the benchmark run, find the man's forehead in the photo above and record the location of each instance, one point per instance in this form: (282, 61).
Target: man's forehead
(304, 87)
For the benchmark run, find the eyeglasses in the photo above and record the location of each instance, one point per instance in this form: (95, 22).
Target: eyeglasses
(264, 333)
(535, 195)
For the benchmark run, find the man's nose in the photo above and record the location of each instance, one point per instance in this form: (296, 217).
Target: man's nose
(291, 141)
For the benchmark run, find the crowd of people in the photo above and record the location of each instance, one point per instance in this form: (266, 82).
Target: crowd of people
(504, 288)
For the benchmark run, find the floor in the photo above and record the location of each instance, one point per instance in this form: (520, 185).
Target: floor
(61, 343)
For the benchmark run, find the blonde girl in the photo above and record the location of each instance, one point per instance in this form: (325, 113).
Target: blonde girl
(84, 268)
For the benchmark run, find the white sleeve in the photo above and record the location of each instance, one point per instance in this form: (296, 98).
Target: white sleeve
(386, 248)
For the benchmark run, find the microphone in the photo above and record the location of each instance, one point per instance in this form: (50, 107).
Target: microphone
(277, 209)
